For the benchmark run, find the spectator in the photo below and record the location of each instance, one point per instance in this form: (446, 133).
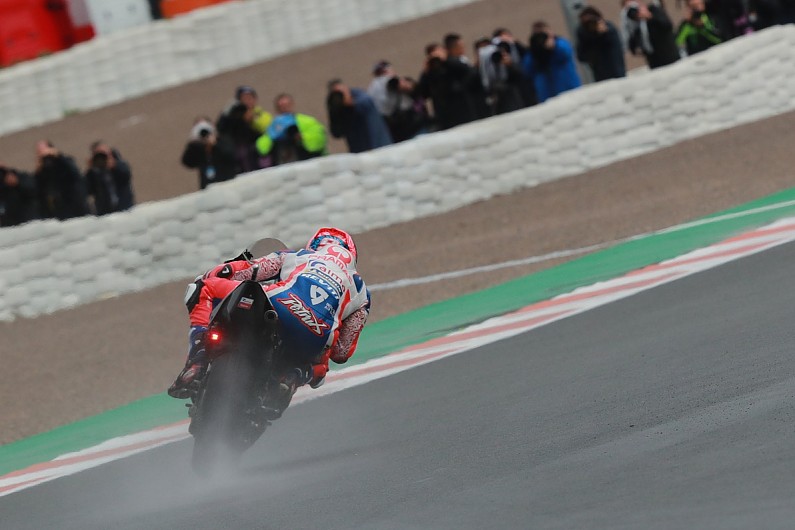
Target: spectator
(398, 100)
(450, 82)
(501, 74)
(291, 136)
(731, 16)
(243, 121)
(109, 180)
(60, 185)
(212, 154)
(697, 32)
(354, 116)
(766, 13)
(484, 104)
(648, 30)
(786, 12)
(550, 63)
(599, 45)
(377, 90)
(17, 196)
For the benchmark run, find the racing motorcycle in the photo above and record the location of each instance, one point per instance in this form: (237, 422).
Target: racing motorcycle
(238, 396)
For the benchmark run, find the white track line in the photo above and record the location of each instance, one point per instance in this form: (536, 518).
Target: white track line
(489, 331)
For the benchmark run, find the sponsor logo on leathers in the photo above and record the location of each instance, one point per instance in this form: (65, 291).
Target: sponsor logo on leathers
(307, 317)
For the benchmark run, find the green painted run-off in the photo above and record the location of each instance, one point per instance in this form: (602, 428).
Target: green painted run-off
(429, 322)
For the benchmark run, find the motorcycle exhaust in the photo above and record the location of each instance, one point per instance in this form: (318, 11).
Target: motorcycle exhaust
(271, 315)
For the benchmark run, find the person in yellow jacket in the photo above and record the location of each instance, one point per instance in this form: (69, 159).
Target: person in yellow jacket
(291, 136)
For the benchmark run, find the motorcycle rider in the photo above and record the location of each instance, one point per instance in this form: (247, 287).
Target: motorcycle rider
(321, 301)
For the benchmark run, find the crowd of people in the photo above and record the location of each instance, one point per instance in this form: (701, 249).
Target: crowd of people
(58, 189)
(502, 73)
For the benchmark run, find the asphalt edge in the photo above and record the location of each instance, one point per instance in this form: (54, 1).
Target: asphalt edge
(429, 322)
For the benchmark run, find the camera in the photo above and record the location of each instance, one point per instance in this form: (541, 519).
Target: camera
(434, 63)
(335, 101)
(238, 110)
(590, 23)
(99, 160)
(502, 47)
(538, 41)
(393, 84)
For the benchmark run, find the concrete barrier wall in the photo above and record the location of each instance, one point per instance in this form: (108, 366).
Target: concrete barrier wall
(123, 65)
(77, 261)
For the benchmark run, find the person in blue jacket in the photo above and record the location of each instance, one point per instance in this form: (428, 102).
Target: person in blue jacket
(354, 116)
(550, 63)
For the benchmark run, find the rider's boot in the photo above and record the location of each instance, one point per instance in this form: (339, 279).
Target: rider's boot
(195, 365)
(282, 393)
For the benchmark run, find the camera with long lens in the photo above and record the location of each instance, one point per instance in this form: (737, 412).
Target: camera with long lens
(502, 47)
(99, 160)
(538, 40)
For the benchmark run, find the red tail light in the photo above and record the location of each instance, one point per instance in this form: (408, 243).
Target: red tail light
(215, 336)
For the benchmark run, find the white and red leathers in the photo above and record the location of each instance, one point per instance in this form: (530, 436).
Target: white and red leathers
(321, 300)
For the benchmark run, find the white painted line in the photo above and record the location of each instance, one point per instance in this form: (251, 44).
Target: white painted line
(421, 280)
(489, 331)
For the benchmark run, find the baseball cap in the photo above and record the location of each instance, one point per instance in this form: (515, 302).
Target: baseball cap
(244, 89)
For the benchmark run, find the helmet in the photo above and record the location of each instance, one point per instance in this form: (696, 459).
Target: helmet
(335, 236)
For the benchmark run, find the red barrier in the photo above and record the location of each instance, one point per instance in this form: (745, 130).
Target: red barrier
(32, 29)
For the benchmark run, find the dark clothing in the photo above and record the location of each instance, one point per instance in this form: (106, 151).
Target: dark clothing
(362, 126)
(768, 13)
(661, 37)
(730, 16)
(235, 128)
(603, 52)
(406, 123)
(17, 203)
(786, 12)
(111, 188)
(503, 85)
(449, 84)
(215, 165)
(61, 188)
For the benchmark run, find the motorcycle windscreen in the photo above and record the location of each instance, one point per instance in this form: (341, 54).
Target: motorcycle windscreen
(265, 246)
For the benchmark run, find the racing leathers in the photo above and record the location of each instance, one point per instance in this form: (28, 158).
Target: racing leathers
(321, 301)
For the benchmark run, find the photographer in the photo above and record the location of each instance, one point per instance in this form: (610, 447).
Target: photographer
(450, 82)
(291, 136)
(109, 180)
(398, 100)
(697, 32)
(499, 64)
(242, 122)
(599, 45)
(212, 155)
(649, 31)
(353, 116)
(60, 185)
(17, 197)
(550, 63)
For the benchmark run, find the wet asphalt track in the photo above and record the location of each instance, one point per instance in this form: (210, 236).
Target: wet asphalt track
(670, 409)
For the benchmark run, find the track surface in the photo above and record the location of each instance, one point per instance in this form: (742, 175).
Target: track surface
(73, 364)
(669, 409)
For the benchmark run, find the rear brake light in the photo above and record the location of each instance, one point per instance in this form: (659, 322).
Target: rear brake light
(215, 336)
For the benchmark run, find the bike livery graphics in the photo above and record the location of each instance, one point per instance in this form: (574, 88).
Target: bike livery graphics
(304, 314)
